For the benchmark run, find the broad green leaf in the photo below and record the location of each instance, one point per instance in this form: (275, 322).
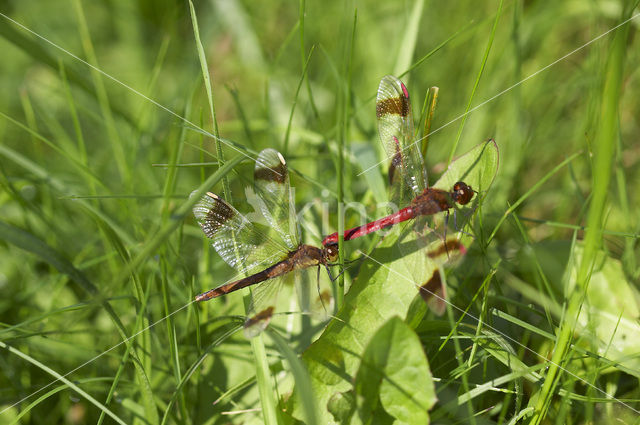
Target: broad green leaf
(385, 287)
(395, 369)
(342, 406)
(478, 167)
(610, 313)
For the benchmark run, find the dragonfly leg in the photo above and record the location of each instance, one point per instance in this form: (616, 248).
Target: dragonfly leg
(328, 272)
(338, 275)
(324, 307)
(446, 223)
(455, 224)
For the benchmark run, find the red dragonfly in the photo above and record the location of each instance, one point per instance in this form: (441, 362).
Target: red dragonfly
(243, 245)
(395, 128)
(409, 185)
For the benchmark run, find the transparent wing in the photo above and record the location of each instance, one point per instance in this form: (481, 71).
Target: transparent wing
(264, 302)
(428, 251)
(407, 173)
(271, 180)
(313, 288)
(238, 241)
(314, 297)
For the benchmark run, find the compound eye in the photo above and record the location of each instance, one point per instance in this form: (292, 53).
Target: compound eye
(463, 193)
(332, 253)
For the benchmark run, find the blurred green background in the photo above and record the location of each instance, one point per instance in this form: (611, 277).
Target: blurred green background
(95, 162)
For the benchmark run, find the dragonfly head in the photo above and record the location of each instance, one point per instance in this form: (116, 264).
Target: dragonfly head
(330, 253)
(462, 193)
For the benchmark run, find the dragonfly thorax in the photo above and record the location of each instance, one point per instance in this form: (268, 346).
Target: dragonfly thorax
(307, 256)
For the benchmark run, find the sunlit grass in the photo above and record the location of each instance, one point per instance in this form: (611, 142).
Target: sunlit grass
(100, 256)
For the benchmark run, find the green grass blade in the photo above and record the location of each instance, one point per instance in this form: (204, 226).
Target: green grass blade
(82, 168)
(263, 377)
(528, 193)
(430, 101)
(62, 378)
(303, 53)
(285, 148)
(223, 333)
(204, 68)
(483, 64)
(159, 237)
(102, 96)
(410, 36)
(29, 242)
(603, 155)
(32, 244)
(304, 390)
(77, 76)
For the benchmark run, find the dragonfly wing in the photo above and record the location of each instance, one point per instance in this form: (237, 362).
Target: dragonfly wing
(395, 128)
(238, 241)
(263, 305)
(441, 253)
(314, 293)
(428, 253)
(271, 180)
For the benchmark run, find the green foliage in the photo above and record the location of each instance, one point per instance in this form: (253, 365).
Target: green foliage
(386, 287)
(101, 143)
(394, 377)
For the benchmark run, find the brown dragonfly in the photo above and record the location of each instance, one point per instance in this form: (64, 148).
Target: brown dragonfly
(249, 247)
(409, 186)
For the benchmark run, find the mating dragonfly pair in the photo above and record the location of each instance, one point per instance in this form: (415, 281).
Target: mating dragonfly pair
(246, 248)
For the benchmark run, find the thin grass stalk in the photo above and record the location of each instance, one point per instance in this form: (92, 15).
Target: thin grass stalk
(483, 64)
(174, 347)
(528, 193)
(604, 145)
(314, 109)
(61, 378)
(303, 388)
(343, 125)
(430, 103)
(459, 354)
(212, 110)
(295, 102)
(175, 152)
(409, 39)
(265, 387)
(103, 99)
(263, 378)
(82, 150)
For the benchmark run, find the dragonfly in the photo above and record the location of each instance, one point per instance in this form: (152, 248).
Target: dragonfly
(408, 180)
(245, 246)
(407, 172)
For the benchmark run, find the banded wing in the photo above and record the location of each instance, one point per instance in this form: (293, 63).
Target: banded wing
(313, 296)
(264, 302)
(271, 181)
(407, 173)
(238, 241)
(432, 289)
(428, 255)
